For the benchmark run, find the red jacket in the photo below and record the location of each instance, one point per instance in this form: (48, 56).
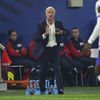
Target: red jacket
(73, 51)
(70, 51)
(11, 50)
(5, 58)
(14, 50)
(65, 52)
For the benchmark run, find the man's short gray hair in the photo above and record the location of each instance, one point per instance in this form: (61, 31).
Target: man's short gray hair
(50, 7)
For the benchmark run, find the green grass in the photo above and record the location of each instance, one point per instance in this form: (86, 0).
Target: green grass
(71, 93)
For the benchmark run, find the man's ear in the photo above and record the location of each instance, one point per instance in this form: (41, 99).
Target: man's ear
(99, 9)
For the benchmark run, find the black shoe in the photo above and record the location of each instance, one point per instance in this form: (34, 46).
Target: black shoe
(60, 91)
(50, 93)
(31, 93)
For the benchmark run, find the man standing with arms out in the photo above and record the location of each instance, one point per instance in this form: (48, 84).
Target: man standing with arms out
(95, 34)
(49, 33)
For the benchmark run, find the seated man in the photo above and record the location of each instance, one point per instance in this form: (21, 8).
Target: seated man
(79, 44)
(70, 65)
(17, 53)
(77, 41)
(83, 58)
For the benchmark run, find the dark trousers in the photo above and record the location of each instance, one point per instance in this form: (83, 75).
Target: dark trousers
(67, 71)
(65, 64)
(50, 55)
(27, 63)
(86, 61)
(89, 64)
(69, 65)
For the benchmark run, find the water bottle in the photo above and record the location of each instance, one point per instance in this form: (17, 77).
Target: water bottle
(28, 91)
(37, 87)
(37, 91)
(32, 90)
(47, 86)
(31, 82)
(55, 91)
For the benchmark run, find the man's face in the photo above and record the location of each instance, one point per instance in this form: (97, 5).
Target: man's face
(75, 33)
(13, 36)
(50, 14)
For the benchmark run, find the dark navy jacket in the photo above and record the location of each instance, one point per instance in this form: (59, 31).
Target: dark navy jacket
(41, 31)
